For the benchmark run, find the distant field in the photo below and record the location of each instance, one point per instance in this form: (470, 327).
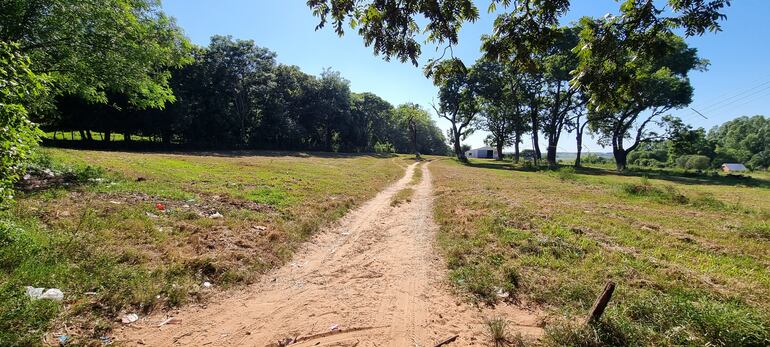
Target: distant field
(689, 254)
(134, 232)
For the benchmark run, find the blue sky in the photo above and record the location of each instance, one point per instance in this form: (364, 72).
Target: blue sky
(737, 82)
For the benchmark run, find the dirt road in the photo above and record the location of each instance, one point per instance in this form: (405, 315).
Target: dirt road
(372, 280)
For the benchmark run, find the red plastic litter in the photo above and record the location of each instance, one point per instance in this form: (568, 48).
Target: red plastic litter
(160, 206)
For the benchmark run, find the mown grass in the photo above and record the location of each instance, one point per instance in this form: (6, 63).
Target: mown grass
(689, 255)
(100, 236)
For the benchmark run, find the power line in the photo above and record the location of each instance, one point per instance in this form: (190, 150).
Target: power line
(750, 97)
(723, 101)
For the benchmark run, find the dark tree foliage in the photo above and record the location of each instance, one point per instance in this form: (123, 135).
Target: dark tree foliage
(234, 95)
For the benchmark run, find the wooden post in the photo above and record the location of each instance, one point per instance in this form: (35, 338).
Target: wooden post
(601, 303)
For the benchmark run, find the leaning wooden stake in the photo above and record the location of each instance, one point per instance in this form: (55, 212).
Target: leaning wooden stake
(447, 341)
(601, 303)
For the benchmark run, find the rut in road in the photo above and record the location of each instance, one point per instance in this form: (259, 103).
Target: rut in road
(375, 277)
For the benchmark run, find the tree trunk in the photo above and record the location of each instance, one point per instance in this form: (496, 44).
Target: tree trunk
(83, 136)
(499, 150)
(414, 141)
(516, 153)
(107, 135)
(458, 147)
(551, 153)
(579, 139)
(621, 157)
(165, 138)
(535, 136)
(127, 136)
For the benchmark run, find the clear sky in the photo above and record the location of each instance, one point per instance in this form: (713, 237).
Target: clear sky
(737, 82)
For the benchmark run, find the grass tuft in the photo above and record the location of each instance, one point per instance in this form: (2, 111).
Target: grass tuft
(402, 196)
(497, 328)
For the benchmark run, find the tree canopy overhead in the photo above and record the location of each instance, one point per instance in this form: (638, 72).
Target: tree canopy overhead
(391, 26)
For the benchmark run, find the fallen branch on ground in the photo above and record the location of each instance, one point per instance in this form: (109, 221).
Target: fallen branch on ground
(447, 341)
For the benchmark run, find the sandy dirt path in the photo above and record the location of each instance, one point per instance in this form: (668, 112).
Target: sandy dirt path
(374, 279)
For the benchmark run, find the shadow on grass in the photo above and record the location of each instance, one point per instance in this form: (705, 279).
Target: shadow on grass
(688, 178)
(142, 147)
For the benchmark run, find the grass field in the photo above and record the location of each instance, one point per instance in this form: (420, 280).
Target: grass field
(689, 253)
(132, 232)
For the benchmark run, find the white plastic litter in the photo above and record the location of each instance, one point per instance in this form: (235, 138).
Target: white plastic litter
(34, 293)
(53, 294)
(41, 293)
(207, 284)
(129, 318)
(216, 215)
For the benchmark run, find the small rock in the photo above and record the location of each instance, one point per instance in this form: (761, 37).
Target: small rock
(207, 285)
(151, 215)
(216, 215)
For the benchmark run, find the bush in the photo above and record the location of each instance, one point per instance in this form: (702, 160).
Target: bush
(384, 147)
(566, 173)
(18, 135)
(759, 161)
(650, 162)
(592, 158)
(697, 162)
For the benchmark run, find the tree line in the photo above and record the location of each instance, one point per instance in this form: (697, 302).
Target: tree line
(234, 94)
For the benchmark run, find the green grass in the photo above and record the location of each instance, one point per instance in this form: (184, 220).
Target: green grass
(689, 253)
(99, 237)
(95, 135)
(402, 196)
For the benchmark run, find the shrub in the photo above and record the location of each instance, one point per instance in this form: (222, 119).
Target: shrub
(384, 147)
(592, 158)
(566, 173)
(18, 135)
(697, 162)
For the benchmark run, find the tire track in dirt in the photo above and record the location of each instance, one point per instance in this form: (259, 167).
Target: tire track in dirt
(374, 277)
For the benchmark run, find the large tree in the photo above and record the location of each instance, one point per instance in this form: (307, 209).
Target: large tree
(92, 47)
(500, 89)
(563, 99)
(645, 83)
(457, 101)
